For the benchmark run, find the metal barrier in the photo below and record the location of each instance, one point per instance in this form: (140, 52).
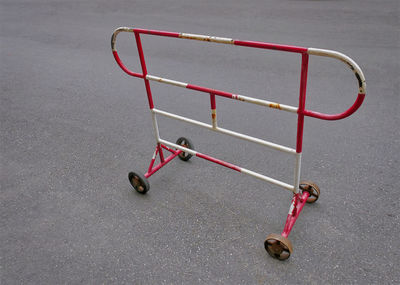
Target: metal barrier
(278, 246)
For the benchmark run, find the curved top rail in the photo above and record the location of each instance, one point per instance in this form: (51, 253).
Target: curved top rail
(115, 53)
(287, 48)
(361, 84)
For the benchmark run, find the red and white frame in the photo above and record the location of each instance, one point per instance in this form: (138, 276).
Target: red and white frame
(299, 198)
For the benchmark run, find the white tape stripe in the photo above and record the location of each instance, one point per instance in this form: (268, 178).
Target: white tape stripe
(206, 38)
(167, 81)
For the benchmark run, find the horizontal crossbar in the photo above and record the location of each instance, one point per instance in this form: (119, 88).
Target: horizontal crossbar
(227, 132)
(242, 98)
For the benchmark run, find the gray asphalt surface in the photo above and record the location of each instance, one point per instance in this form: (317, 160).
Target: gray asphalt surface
(73, 125)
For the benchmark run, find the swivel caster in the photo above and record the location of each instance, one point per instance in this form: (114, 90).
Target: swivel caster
(139, 182)
(185, 142)
(278, 246)
(311, 188)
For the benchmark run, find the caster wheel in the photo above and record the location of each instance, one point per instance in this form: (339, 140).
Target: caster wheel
(278, 246)
(139, 182)
(185, 143)
(311, 188)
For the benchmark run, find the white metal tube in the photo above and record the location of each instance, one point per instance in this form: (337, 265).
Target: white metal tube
(206, 38)
(344, 58)
(155, 127)
(167, 81)
(268, 179)
(297, 170)
(227, 132)
(214, 118)
(180, 118)
(256, 140)
(265, 103)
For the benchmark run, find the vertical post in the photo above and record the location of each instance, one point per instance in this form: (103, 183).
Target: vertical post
(300, 119)
(144, 69)
(297, 171)
(213, 111)
(149, 95)
(160, 152)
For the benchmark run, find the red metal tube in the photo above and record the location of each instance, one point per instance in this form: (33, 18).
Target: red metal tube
(209, 90)
(124, 68)
(153, 159)
(302, 102)
(160, 152)
(161, 164)
(212, 101)
(297, 205)
(220, 162)
(157, 33)
(270, 46)
(350, 111)
(144, 69)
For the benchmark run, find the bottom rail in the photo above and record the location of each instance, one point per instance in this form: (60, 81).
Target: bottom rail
(229, 165)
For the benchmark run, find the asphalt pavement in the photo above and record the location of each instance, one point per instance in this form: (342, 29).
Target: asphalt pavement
(73, 125)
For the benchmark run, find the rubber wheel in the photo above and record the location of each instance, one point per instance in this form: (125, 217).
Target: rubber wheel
(139, 182)
(311, 188)
(185, 143)
(278, 246)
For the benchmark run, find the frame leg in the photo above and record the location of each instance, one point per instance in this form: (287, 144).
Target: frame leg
(153, 169)
(279, 246)
(297, 205)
